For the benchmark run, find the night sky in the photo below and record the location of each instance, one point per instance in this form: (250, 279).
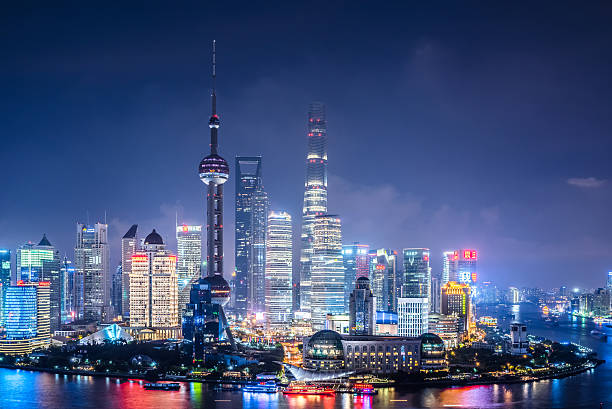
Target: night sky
(475, 125)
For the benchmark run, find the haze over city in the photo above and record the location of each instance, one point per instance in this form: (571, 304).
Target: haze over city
(496, 140)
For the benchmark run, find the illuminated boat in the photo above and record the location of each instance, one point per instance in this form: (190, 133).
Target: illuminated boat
(262, 387)
(169, 386)
(305, 389)
(364, 389)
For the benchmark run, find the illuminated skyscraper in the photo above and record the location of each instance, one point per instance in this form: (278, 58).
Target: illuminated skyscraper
(41, 262)
(68, 276)
(189, 249)
(467, 271)
(356, 264)
(456, 301)
(412, 316)
(248, 181)
(327, 270)
(315, 196)
(129, 246)
(383, 276)
(257, 254)
(93, 277)
(417, 273)
(449, 271)
(362, 309)
(5, 280)
(27, 318)
(116, 284)
(154, 286)
(278, 282)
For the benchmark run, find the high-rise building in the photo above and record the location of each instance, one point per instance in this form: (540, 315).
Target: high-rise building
(456, 301)
(116, 284)
(279, 265)
(41, 262)
(383, 277)
(356, 264)
(609, 283)
(129, 246)
(449, 271)
(412, 316)
(435, 295)
(467, 271)
(28, 324)
(362, 309)
(257, 254)
(518, 337)
(204, 320)
(189, 249)
(327, 275)
(5, 281)
(93, 278)
(417, 273)
(68, 273)
(315, 196)
(154, 286)
(446, 327)
(248, 180)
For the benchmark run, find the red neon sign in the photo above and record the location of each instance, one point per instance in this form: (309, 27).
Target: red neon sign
(474, 277)
(469, 254)
(380, 267)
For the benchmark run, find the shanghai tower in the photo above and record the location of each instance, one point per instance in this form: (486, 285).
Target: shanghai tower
(315, 196)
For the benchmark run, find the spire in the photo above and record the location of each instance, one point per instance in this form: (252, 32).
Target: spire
(213, 123)
(44, 241)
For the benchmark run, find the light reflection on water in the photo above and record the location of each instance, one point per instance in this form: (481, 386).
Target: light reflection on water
(24, 389)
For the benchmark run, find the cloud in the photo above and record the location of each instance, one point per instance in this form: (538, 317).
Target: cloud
(589, 182)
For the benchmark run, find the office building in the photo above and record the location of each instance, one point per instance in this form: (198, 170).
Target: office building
(5, 281)
(435, 294)
(449, 270)
(609, 283)
(466, 266)
(362, 309)
(28, 325)
(356, 264)
(514, 295)
(518, 338)
(412, 316)
(189, 260)
(315, 196)
(386, 323)
(383, 276)
(115, 293)
(248, 180)
(278, 273)
(601, 302)
(339, 323)
(456, 301)
(327, 275)
(129, 247)
(41, 262)
(446, 327)
(257, 254)
(93, 277)
(69, 305)
(417, 273)
(154, 287)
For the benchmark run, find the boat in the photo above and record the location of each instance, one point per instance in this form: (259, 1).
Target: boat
(262, 387)
(364, 389)
(166, 386)
(296, 388)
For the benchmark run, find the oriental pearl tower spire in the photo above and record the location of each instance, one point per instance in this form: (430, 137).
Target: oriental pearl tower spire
(214, 172)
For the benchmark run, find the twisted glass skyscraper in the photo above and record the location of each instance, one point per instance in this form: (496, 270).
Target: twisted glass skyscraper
(315, 195)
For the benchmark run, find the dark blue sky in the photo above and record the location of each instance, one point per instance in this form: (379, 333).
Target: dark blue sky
(483, 125)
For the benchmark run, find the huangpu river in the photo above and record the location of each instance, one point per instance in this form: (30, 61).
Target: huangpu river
(25, 389)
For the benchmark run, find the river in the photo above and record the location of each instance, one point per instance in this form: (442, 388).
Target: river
(25, 389)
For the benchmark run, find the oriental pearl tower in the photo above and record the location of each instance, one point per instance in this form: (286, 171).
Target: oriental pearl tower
(214, 172)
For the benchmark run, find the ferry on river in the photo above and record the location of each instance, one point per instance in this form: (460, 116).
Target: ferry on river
(364, 389)
(301, 388)
(165, 386)
(262, 387)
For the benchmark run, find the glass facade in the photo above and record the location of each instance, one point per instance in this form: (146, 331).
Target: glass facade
(21, 321)
(279, 254)
(93, 278)
(189, 260)
(315, 197)
(257, 256)
(383, 276)
(356, 264)
(417, 273)
(327, 270)
(5, 281)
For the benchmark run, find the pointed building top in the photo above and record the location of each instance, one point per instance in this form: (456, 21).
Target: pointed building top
(44, 241)
(131, 233)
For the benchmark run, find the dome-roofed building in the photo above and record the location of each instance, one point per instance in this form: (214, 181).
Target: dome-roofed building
(433, 353)
(324, 352)
(154, 238)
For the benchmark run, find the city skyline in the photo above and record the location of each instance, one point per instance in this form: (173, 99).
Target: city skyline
(469, 201)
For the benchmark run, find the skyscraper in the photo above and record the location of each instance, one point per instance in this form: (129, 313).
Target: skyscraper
(327, 270)
(5, 281)
(279, 264)
(257, 262)
(189, 249)
(93, 278)
(412, 316)
(456, 301)
(356, 264)
(362, 314)
(129, 246)
(413, 306)
(116, 291)
(383, 271)
(41, 262)
(68, 274)
(154, 286)
(315, 196)
(449, 271)
(28, 324)
(467, 271)
(248, 180)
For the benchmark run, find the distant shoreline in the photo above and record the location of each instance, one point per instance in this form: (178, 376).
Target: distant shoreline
(442, 383)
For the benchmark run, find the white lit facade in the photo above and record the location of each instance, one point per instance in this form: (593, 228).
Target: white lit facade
(412, 316)
(278, 275)
(189, 259)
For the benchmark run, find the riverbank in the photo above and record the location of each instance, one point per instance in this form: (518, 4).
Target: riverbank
(444, 383)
